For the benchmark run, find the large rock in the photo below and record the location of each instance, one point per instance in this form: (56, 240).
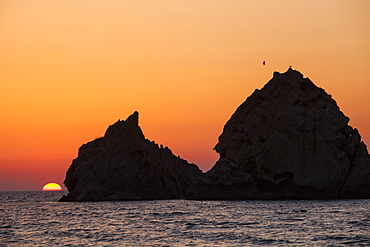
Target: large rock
(123, 165)
(288, 140)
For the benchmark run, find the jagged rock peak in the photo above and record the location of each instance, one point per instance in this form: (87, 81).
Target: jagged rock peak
(123, 165)
(133, 118)
(291, 73)
(124, 128)
(290, 80)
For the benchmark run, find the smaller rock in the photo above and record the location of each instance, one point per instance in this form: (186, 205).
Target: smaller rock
(123, 165)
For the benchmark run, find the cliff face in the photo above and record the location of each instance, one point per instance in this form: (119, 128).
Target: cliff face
(288, 140)
(123, 165)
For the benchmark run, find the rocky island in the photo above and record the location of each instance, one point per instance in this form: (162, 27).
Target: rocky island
(288, 140)
(123, 165)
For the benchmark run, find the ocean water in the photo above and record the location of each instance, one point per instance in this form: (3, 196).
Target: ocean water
(37, 219)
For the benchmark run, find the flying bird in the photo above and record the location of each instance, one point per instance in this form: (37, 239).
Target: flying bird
(263, 63)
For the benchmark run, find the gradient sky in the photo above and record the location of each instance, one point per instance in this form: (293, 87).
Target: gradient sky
(69, 69)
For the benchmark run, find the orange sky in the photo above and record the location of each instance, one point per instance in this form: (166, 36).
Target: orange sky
(69, 69)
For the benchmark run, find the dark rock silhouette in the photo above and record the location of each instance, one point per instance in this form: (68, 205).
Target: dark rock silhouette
(123, 165)
(288, 140)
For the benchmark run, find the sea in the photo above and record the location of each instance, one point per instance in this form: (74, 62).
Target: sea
(38, 219)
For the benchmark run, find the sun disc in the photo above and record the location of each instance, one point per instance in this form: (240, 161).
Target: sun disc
(51, 187)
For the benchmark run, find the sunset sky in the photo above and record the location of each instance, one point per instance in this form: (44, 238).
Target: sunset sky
(69, 69)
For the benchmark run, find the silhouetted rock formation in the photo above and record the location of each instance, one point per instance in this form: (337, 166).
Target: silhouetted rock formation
(288, 140)
(123, 165)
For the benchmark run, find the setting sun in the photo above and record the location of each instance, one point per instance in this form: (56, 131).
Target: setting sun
(51, 187)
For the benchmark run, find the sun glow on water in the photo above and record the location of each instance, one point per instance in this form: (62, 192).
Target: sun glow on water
(51, 187)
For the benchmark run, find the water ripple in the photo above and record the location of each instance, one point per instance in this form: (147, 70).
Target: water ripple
(36, 219)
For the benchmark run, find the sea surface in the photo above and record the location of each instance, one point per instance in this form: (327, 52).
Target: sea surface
(37, 219)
